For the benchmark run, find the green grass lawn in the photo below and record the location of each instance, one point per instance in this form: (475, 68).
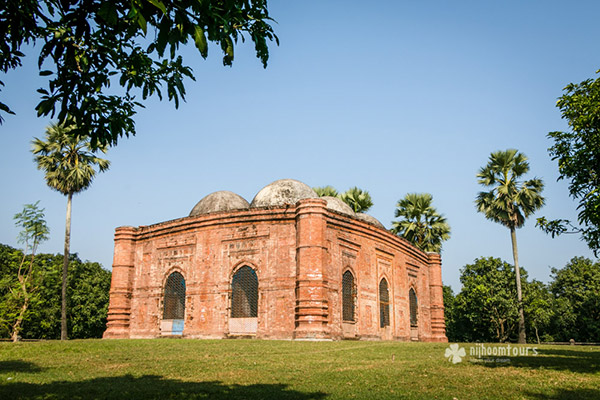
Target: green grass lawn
(257, 369)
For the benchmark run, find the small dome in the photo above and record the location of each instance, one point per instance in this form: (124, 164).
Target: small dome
(219, 201)
(283, 191)
(370, 219)
(338, 205)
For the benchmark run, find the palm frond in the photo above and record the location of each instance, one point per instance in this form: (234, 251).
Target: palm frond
(359, 200)
(420, 224)
(509, 202)
(68, 161)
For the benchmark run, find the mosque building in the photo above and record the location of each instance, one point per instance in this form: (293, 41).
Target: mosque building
(289, 265)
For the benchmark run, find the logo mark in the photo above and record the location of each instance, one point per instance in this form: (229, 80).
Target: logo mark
(455, 353)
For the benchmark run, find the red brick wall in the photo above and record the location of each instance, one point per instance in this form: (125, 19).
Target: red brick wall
(299, 254)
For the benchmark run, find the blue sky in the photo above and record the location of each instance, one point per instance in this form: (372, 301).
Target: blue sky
(393, 97)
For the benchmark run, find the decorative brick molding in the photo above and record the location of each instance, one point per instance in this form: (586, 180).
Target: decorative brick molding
(299, 253)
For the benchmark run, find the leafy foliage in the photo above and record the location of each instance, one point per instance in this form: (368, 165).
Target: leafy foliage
(576, 288)
(359, 200)
(34, 229)
(486, 308)
(421, 224)
(69, 165)
(539, 310)
(20, 290)
(9, 262)
(326, 191)
(450, 314)
(510, 201)
(88, 294)
(67, 160)
(578, 155)
(88, 45)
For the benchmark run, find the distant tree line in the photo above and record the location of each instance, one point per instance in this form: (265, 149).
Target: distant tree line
(87, 296)
(486, 309)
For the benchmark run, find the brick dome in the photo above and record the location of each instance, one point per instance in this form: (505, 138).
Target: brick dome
(283, 191)
(336, 204)
(370, 219)
(299, 269)
(223, 200)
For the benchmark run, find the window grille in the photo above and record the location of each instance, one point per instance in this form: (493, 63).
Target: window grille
(348, 296)
(384, 304)
(174, 297)
(244, 293)
(412, 299)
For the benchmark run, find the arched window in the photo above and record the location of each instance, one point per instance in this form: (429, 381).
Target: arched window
(384, 304)
(174, 297)
(244, 293)
(412, 299)
(348, 296)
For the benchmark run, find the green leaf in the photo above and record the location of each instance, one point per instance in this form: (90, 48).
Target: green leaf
(108, 12)
(158, 4)
(142, 22)
(228, 59)
(200, 41)
(6, 109)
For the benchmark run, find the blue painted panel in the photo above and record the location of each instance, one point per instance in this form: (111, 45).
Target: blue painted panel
(177, 327)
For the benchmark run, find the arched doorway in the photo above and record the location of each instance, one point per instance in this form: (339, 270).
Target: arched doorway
(244, 302)
(348, 305)
(384, 304)
(173, 305)
(414, 314)
(348, 297)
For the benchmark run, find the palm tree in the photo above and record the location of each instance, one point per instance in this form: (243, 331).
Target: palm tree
(68, 163)
(326, 191)
(421, 224)
(510, 202)
(359, 200)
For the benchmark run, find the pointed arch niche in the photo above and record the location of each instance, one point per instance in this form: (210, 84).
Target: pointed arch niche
(173, 315)
(243, 318)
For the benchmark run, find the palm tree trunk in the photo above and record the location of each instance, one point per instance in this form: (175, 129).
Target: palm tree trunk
(63, 308)
(513, 237)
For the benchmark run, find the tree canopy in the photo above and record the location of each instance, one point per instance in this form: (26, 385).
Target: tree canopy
(359, 200)
(509, 202)
(21, 290)
(69, 164)
(577, 290)
(485, 309)
(420, 222)
(67, 161)
(577, 153)
(87, 47)
(328, 190)
(87, 295)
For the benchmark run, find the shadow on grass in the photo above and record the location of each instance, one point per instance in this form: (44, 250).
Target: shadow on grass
(566, 394)
(18, 366)
(150, 387)
(579, 361)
